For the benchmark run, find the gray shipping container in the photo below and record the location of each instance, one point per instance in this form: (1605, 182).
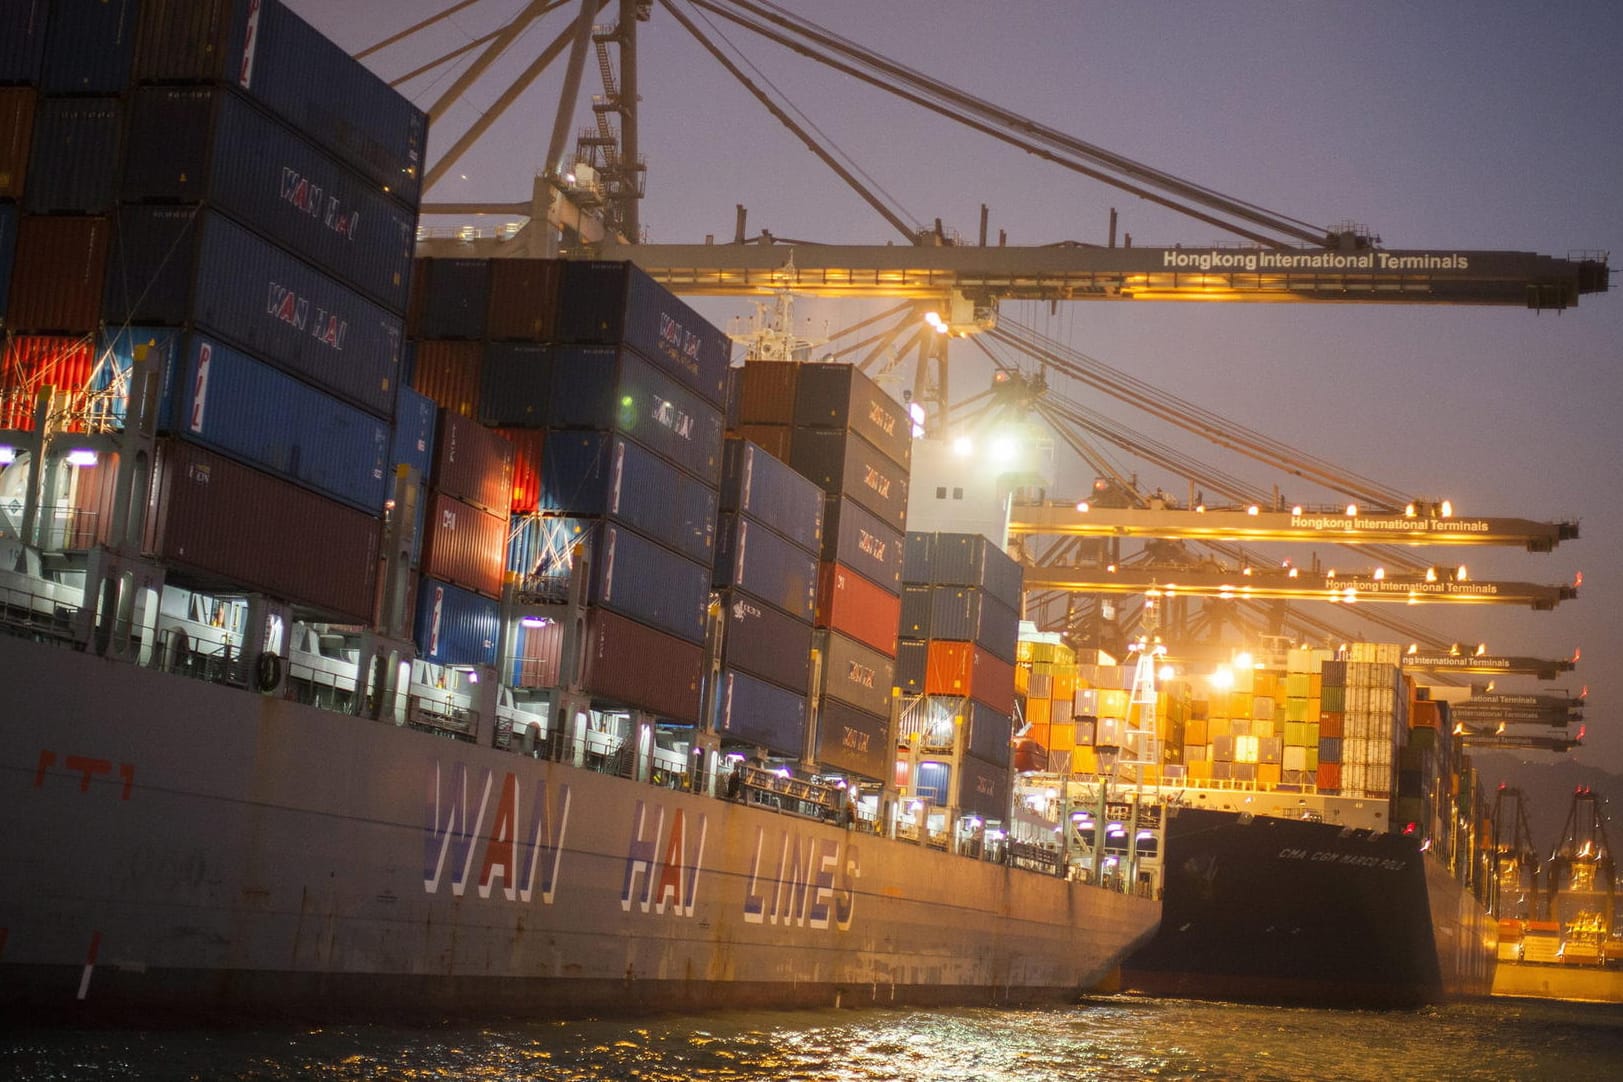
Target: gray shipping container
(222, 525)
(760, 640)
(22, 40)
(983, 789)
(854, 741)
(856, 674)
(990, 734)
(843, 463)
(763, 564)
(210, 145)
(843, 396)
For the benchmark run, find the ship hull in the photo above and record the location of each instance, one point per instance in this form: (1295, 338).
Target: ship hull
(1276, 910)
(179, 848)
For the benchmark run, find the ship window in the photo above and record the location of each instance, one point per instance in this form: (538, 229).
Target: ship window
(941, 492)
(957, 493)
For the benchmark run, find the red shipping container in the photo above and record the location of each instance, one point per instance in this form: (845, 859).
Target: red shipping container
(962, 668)
(767, 393)
(220, 524)
(449, 373)
(523, 300)
(1423, 714)
(31, 362)
(16, 136)
(851, 605)
(631, 664)
(1329, 777)
(1332, 723)
(91, 519)
(464, 545)
(56, 282)
(537, 653)
(774, 439)
(526, 467)
(472, 463)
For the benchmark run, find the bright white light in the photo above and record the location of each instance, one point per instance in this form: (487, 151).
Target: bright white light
(1459, 575)
(963, 446)
(1244, 660)
(1448, 509)
(1253, 510)
(1297, 510)
(8, 455)
(1167, 672)
(1082, 506)
(1223, 677)
(81, 458)
(1005, 448)
(533, 621)
(1352, 510)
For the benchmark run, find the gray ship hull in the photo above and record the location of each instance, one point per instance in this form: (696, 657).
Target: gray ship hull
(175, 846)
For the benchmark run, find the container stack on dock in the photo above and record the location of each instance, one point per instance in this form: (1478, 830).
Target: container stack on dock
(1045, 685)
(962, 603)
(183, 167)
(768, 538)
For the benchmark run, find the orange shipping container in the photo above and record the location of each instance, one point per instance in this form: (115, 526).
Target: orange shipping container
(1065, 684)
(1063, 737)
(1039, 711)
(961, 668)
(1329, 776)
(31, 362)
(1041, 733)
(1195, 731)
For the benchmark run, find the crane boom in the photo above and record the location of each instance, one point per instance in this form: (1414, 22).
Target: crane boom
(1312, 526)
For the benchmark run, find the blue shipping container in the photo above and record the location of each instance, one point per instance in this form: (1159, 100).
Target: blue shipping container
(857, 538)
(266, 418)
(966, 559)
(22, 40)
(916, 604)
(969, 614)
(918, 560)
(279, 59)
(117, 354)
(653, 585)
(767, 489)
(254, 295)
(614, 303)
(455, 626)
(595, 474)
(912, 657)
(8, 250)
(605, 388)
(89, 46)
(756, 712)
(843, 463)
(209, 145)
(759, 561)
(73, 164)
(989, 733)
(415, 417)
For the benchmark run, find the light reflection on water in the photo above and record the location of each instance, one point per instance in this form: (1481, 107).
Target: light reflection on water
(1112, 1038)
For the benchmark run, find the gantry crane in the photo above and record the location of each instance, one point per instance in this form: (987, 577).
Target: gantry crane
(1515, 861)
(1580, 882)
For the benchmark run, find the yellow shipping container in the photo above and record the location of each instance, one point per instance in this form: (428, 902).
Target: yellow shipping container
(1112, 703)
(1296, 735)
(1264, 683)
(1216, 727)
(1296, 685)
(1025, 651)
(1084, 761)
(1265, 728)
(1039, 711)
(1313, 758)
(1063, 737)
(1200, 771)
(1243, 678)
(1194, 731)
(1022, 679)
(1268, 775)
(1296, 710)
(1315, 682)
(1239, 703)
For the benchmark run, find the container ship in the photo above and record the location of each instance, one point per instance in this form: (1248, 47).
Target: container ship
(1325, 839)
(396, 638)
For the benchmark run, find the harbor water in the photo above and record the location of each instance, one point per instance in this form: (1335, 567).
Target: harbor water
(1103, 1038)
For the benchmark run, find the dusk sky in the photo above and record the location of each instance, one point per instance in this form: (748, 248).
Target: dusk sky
(1437, 126)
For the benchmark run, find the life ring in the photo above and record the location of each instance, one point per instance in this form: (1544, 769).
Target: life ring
(268, 671)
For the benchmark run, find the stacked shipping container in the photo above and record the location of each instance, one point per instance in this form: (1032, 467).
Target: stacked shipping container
(182, 165)
(608, 390)
(838, 428)
(768, 537)
(961, 601)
